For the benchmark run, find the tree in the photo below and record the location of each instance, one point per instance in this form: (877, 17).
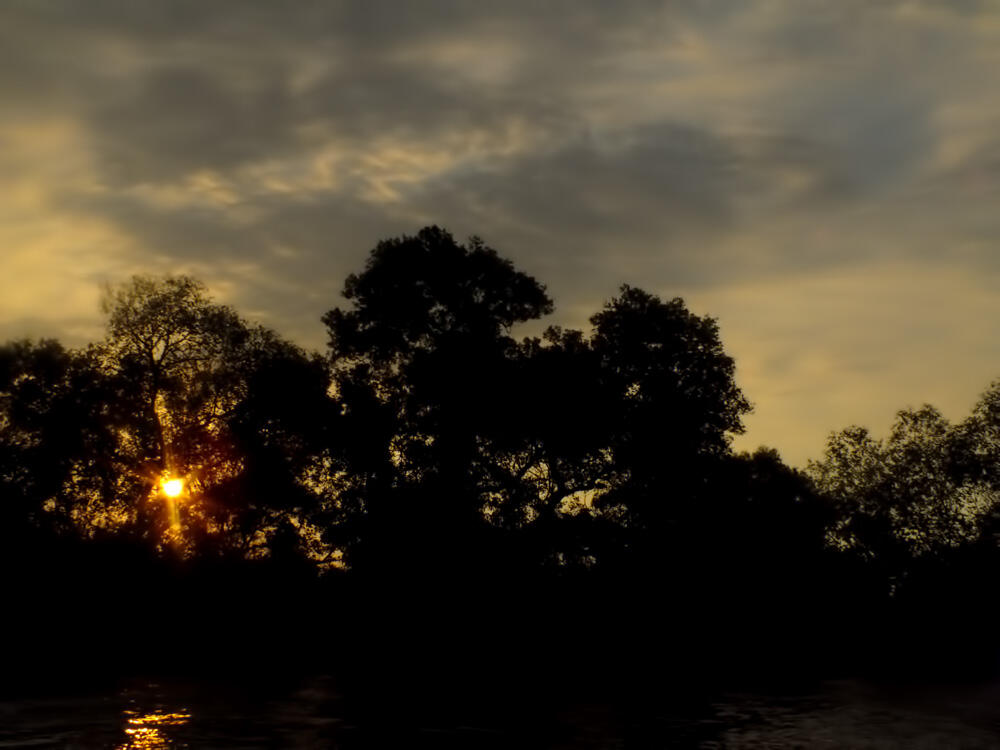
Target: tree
(976, 441)
(219, 404)
(57, 424)
(624, 425)
(177, 349)
(425, 349)
(566, 441)
(975, 460)
(543, 469)
(672, 389)
(760, 535)
(907, 496)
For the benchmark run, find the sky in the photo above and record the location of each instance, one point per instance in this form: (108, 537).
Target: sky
(820, 177)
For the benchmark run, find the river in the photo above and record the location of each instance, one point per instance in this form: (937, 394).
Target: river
(314, 713)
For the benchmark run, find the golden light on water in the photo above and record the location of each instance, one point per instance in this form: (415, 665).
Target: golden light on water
(151, 730)
(172, 487)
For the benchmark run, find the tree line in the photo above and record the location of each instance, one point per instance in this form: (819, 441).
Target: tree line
(430, 443)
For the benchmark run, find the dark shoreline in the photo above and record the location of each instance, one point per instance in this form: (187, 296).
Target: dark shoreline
(546, 633)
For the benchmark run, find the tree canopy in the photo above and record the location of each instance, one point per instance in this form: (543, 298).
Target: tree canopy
(181, 388)
(432, 441)
(571, 436)
(907, 495)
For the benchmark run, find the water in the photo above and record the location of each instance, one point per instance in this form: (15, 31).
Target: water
(312, 713)
(856, 715)
(154, 716)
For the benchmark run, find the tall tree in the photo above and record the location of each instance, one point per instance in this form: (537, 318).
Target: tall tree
(210, 411)
(426, 349)
(183, 355)
(618, 431)
(675, 396)
(568, 440)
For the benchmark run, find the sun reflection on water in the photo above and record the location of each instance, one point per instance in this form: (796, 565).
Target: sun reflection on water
(151, 730)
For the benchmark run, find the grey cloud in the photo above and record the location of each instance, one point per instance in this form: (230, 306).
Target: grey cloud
(657, 206)
(170, 86)
(664, 189)
(165, 119)
(646, 207)
(659, 192)
(288, 265)
(182, 119)
(693, 148)
(364, 19)
(673, 181)
(881, 126)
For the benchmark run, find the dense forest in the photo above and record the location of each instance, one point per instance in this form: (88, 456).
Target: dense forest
(434, 479)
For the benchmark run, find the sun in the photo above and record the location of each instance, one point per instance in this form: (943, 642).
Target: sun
(172, 487)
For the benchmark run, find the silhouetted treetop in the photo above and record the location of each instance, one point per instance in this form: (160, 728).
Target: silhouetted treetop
(912, 494)
(569, 440)
(56, 432)
(424, 365)
(225, 406)
(976, 449)
(416, 292)
(670, 367)
(169, 322)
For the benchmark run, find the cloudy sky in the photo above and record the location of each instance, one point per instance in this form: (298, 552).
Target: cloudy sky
(822, 177)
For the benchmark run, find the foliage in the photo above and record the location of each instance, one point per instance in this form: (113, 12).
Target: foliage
(614, 432)
(432, 441)
(181, 387)
(57, 435)
(567, 440)
(425, 352)
(908, 495)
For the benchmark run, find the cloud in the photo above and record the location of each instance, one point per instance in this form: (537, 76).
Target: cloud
(757, 158)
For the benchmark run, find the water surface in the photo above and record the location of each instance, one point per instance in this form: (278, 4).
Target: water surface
(312, 713)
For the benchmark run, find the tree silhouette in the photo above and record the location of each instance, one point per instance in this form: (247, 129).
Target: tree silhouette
(425, 349)
(759, 536)
(543, 466)
(975, 454)
(902, 490)
(674, 399)
(56, 435)
(611, 436)
(913, 498)
(218, 404)
(579, 445)
(515, 486)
